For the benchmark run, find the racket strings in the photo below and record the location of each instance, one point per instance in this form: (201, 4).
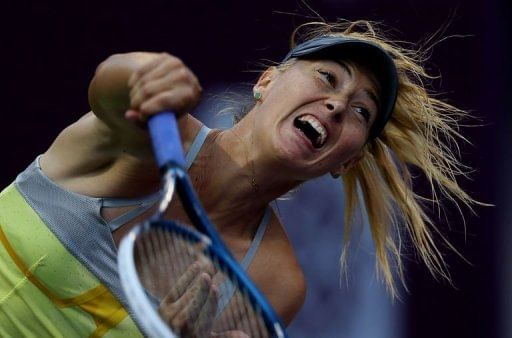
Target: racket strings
(185, 283)
(239, 314)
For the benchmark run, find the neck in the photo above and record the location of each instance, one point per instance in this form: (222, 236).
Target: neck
(244, 183)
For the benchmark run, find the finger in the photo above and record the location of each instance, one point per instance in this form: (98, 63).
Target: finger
(182, 284)
(199, 298)
(136, 118)
(172, 79)
(164, 64)
(208, 312)
(132, 115)
(179, 100)
(206, 265)
(183, 313)
(203, 264)
(141, 87)
(146, 68)
(167, 72)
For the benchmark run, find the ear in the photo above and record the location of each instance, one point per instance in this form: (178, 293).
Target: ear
(265, 80)
(345, 167)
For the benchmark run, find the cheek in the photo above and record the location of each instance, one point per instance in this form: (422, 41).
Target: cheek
(288, 90)
(350, 144)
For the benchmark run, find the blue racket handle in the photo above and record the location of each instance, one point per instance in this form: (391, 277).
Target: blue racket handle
(163, 129)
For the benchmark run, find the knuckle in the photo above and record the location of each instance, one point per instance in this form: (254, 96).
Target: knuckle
(182, 74)
(178, 62)
(168, 100)
(188, 97)
(194, 95)
(196, 82)
(140, 79)
(145, 90)
(167, 314)
(135, 76)
(172, 61)
(189, 94)
(185, 72)
(147, 107)
(164, 312)
(156, 104)
(167, 59)
(197, 90)
(179, 321)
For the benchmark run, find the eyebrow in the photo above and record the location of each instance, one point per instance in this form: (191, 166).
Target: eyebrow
(344, 66)
(368, 92)
(373, 97)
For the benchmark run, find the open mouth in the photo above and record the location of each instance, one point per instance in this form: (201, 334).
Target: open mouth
(312, 129)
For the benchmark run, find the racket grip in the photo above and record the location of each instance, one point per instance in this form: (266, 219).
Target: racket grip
(165, 136)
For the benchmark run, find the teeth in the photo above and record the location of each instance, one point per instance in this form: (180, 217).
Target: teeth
(313, 122)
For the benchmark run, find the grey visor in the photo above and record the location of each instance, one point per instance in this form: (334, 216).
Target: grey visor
(370, 55)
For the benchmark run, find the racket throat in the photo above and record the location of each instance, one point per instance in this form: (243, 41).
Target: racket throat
(168, 190)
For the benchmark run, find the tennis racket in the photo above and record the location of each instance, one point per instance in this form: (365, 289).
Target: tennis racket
(174, 274)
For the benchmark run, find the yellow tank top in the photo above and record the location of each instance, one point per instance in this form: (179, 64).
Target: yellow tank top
(44, 290)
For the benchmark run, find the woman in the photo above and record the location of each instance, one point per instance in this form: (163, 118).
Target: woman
(345, 102)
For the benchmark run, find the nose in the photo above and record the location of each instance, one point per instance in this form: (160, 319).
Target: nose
(336, 107)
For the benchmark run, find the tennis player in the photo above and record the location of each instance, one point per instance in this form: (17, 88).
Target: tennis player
(344, 101)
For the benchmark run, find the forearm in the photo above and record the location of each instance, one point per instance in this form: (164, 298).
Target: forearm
(109, 96)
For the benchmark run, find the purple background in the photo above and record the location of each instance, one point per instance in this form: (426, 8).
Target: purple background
(50, 51)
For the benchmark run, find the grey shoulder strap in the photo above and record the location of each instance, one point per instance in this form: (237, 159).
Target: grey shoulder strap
(256, 240)
(196, 146)
(226, 289)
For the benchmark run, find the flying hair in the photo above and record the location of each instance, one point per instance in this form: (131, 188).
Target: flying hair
(423, 132)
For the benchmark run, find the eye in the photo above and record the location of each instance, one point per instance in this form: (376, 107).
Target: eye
(365, 113)
(330, 77)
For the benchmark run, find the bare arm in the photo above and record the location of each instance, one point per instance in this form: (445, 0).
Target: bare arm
(108, 146)
(109, 96)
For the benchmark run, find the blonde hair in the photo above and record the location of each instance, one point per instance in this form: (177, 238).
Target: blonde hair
(423, 132)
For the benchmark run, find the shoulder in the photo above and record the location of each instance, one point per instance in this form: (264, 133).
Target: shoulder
(79, 149)
(189, 127)
(86, 159)
(280, 275)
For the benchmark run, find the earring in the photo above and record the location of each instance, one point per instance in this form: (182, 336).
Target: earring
(257, 95)
(335, 175)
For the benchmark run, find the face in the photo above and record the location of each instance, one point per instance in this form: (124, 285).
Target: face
(316, 115)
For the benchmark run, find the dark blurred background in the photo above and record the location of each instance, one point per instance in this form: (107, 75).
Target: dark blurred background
(50, 51)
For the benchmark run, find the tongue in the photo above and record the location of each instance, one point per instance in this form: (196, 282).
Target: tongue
(309, 131)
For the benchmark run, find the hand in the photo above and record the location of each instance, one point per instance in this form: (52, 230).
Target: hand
(162, 84)
(190, 307)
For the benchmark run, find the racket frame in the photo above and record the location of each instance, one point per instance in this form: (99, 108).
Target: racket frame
(137, 299)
